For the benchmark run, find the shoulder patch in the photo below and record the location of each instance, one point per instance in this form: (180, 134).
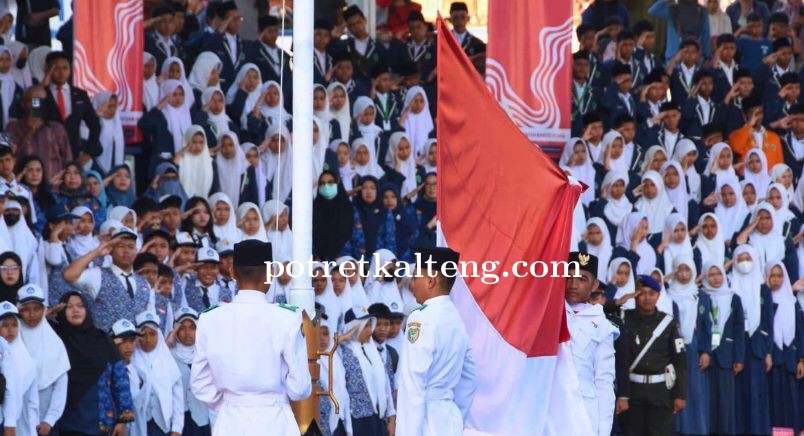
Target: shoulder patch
(420, 307)
(210, 308)
(413, 331)
(288, 307)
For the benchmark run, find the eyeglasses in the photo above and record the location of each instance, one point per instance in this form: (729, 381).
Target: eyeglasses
(9, 268)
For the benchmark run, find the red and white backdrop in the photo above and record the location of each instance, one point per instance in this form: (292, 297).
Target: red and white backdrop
(108, 54)
(528, 66)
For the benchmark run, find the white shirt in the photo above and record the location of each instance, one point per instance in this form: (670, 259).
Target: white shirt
(436, 372)
(460, 36)
(213, 292)
(361, 45)
(592, 346)
(706, 108)
(579, 88)
(90, 280)
(670, 140)
(728, 70)
(167, 43)
(759, 136)
(65, 89)
(688, 74)
(321, 60)
(273, 53)
(779, 70)
(11, 404)
(52, 400)
(231, 42)
(250, 393)
(798, 146)
(627, 100)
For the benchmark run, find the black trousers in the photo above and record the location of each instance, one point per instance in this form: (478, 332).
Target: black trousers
(643, 419)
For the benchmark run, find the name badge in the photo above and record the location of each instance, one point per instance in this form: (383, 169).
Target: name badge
(386, 125)
(715, 339)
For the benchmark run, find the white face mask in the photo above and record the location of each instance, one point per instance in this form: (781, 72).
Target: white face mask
(745, 266)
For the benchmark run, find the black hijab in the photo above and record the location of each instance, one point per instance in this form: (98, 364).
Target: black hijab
(332, 222)
(88, 348)
(9, 292)
(371, 214)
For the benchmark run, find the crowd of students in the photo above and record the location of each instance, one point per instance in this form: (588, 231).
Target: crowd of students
(693, 158)
(106, 262)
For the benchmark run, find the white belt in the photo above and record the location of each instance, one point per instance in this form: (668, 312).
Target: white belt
(256, 400)
(646, 379)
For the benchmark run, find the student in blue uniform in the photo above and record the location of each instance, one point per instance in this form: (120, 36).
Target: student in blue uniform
(728, 347)
(695, 327)
(682, 76)
(766, 77)
(752, 45)
(645, 35)
(724, 66)
(777, 107)
(700, 109)
(618, 99)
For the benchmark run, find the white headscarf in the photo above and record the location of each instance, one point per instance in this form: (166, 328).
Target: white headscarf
(798, 198)
(36, 61)
(119, 213)
(783, 214)
(616, 209)
(657, 208)
(721, 296)
(369, 131)
(324, 116)
(751, 207)
(276, 114)
(219, 121)
(228, 231)
(650, 155)
(21, 75)
(647, 256)
(178, 118)
(432, 142)
(760, 180)
(372, 366)
(24, 372)
(776, 174)
(603, 250)
(319, 152)
(770, 246)
(711, 161)
(328, 299)
(357, 294)
(347, 171)
(683, 148)
(664, 303)
(82, 244)
(344, 114)
(111, 135)
(405, 167)
(229, 170)
(23, 240)
(711, 249)
(259, 172)
(584, 172)
(731, 218)
(622, 163)
(747, 287)
(278, 167)
(281, 241)
(380, 291)
(685, 295)
(47, 350)
(184, 353)
(241, 213)
(195, 171)
(784, 320)
(679, 196)
(674, 250)
(629, 286)
(159, 371)
(7, 86)
(251, 98)
(189, 97)
(418, 126)
(204, 64)
(372, 168)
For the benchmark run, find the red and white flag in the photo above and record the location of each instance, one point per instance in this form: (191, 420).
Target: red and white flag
(501, 199)
(529, 66)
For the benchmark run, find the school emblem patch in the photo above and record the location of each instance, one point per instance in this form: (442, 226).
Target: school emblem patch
(414, 328)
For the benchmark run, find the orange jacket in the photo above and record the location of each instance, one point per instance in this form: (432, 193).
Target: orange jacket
(741, 140)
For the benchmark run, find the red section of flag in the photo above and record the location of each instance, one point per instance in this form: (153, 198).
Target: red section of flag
(528, 65)
(108, 54)
(501, 199)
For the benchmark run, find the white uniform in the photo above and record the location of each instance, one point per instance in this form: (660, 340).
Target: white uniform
(592, 341)
(250, 359)
(436, 372)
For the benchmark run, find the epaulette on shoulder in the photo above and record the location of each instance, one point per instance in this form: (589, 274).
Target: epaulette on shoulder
(288, 307)
(420, 307)
(210, 308)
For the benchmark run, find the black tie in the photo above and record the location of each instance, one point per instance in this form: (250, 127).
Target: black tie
(129, 285)
(205, 297)
(379, 349)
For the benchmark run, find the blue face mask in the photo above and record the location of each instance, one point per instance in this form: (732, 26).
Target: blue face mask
(328, 190)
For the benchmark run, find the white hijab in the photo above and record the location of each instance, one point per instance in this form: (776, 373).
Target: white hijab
(603, 250)
(324, 115)
(319, 152)
(622, 163)
(369, 131)
(228, 231)
(784, 320)
(47, 350)
(693, 181)
(111, 135)
(380, 291)
(24, 371)
(770, 246)
(219, 121)
(82, 244)
(731, 218)
(36, 62)
(657, 208)
(616, 209)
(229, 170)
(798, 198)
(328, 299)
(664, 303)
(418, 126)
(281, 241)
(189, 97)
(178, 118)
(721, 296)
(711, 249)
(650, 155)
(23, 240)
(205, 63)
(346, 172)
(428, 168)
(356, 293)
(195, 171)
(674, 249)
(685, 295)
(278, 167)
(629, 286)
(260, 235)
(748, 288)
(760, 180)
(251, 98)
(159, 371)
(274, 114)
(21, 75)
(647, 255)
(7, 85)
(679, 196)
(776, 174)
(584, 172)
(783, 214)
(712, 165)
(405, 167)
(344, 114)
(372, 168)
(372, 366)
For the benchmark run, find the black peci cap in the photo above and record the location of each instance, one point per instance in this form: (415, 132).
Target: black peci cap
(457, 7)
(352, 11)
(252, 252)
(267, 21)
(586, 262)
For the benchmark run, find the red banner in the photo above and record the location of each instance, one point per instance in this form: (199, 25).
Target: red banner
(108, 53)
(529, 67)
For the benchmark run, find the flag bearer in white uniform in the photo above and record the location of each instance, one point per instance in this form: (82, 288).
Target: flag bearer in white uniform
(592, 342)
(251, 357)
(436, 372)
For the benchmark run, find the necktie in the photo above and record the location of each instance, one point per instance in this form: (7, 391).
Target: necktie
(129, 286)
(60, 102)
(379, 349)
(205, 297)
